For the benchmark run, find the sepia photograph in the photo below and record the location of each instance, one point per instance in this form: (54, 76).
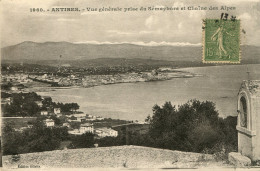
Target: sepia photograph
(133, 84)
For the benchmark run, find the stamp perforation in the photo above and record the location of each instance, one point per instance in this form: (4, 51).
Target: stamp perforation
(204, 45)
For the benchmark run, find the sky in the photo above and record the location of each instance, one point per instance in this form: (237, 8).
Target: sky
(184, 27)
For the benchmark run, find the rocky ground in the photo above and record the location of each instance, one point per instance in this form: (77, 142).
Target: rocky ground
(114, 157)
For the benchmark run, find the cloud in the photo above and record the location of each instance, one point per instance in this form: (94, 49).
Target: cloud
(169, 26)
(144, 32)
(120, 32)
(151, 32)
(151, 43)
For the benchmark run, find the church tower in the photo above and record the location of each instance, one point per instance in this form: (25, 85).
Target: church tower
(248, 120)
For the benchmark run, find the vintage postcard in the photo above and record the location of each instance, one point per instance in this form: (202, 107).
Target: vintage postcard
(133, 84)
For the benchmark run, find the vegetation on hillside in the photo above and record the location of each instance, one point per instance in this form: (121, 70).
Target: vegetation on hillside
(36, 139)
(22, 104)
(193, 126)
(25, 105)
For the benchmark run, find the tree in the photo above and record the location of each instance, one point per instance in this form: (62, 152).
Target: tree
(6, 86)
(30, 109)
(161, 119)
(23, 104)
(75, 125)
(83, 141)
(74, 106)
(203, 136)
(57, 121)
(111, 141)
(47, 102)
(36, 139)
(148, 119)
(5, 95)
(195, 126)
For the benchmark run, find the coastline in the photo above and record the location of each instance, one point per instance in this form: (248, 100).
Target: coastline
(184, 74)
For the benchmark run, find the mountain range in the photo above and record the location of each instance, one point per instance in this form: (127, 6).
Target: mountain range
(73, 51)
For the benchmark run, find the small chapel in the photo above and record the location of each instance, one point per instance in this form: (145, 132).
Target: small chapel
(248, 120)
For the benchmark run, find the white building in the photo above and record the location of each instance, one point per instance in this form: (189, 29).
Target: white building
(14, 88)
(78, 115)
(44, 112)
(106, 132)
(99, 118)
(45, 76)
(59, 115)
(7, 100)
(66, 125)
(75, 132)
(87, 127)
(39, 103)
(84, 128)
(56, 111)
(77, 120)
(81, 119)
(89, 118)
(49, 122)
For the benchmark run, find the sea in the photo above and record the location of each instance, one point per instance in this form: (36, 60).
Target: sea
(134, 101)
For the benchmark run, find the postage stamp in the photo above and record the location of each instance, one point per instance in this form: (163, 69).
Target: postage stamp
(221, 41)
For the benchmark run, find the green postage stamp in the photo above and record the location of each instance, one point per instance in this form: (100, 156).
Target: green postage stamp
(221, 41)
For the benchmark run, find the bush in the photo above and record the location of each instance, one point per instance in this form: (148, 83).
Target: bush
(36, 139)
(194, 126)
(111, 141)
(82, 141)
(203, 136)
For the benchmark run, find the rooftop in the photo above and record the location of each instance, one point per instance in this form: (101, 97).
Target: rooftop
(105, 129)
(86, 125)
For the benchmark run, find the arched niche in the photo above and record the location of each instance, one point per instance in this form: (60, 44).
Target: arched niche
(244, 111)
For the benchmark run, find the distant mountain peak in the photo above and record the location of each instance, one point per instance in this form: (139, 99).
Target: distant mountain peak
(176, 51)
(151, 43)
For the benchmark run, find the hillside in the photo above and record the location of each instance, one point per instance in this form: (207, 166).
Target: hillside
(70, 51)
(66, 53)
(114, 157)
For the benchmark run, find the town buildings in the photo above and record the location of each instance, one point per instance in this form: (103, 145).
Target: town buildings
(49, 122)
(84, 128)
(106, 132)
(87, 127)
(56, 111)
(44, 113)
